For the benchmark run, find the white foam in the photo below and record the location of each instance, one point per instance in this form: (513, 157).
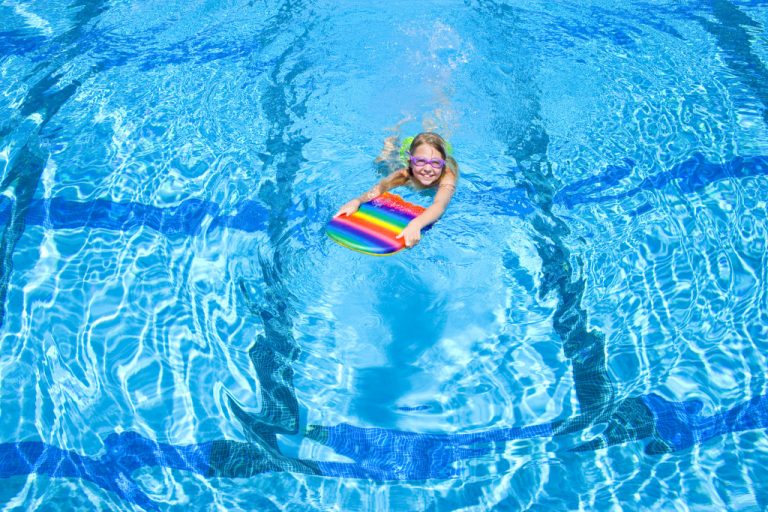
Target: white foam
(32, 19)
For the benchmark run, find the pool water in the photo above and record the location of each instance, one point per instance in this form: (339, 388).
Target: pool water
(585, 328)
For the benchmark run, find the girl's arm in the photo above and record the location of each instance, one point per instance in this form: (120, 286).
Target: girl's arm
(396, 179)
(412, 232)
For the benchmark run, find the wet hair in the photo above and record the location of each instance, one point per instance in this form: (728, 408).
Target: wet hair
(439, 143)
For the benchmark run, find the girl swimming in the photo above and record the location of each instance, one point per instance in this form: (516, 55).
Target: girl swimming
(429, 167)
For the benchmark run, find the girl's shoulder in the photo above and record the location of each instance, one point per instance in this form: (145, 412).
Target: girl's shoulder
(448, 179)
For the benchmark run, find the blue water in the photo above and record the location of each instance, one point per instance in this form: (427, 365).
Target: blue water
(584, 329)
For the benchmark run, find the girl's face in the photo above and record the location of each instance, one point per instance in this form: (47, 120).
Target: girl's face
(427, 156)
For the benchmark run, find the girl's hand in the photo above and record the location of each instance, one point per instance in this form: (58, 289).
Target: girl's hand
(411, 234)
(349, 208)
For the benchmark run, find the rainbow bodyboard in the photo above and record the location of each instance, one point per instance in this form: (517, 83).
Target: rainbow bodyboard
(372, 229)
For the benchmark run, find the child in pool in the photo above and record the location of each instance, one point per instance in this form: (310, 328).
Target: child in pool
(429, 167)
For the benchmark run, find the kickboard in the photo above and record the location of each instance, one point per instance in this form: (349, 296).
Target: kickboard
(372, 229)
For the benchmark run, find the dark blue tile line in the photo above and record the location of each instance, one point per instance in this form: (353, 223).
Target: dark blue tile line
(272, 353)
(584, 347)
(20, 42)
(731, 30)
(188, 217)
(691, 176)
(378, 454)
(185, 219)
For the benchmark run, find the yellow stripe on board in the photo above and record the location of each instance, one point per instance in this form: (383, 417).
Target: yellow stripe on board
(386, 225)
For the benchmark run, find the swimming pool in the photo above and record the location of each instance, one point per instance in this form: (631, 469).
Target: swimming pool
(584, 329)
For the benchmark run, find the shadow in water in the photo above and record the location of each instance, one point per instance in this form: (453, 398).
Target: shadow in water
(412, 322)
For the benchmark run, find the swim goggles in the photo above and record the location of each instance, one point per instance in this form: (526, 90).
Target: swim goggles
(419, 161)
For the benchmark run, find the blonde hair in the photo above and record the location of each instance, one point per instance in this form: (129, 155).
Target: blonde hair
(439, 143)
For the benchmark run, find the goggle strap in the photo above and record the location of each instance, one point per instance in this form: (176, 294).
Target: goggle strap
(406, 146)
